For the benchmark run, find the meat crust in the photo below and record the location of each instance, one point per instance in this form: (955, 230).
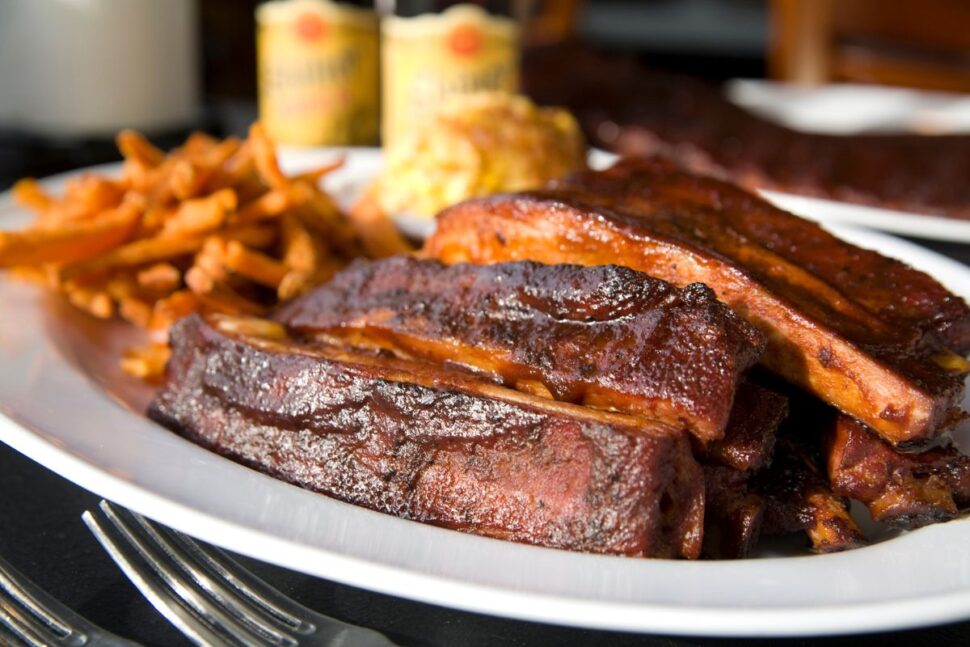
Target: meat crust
(733, 513)
(902, 490)
(862, 331)
(749, 441)
(798, 498)
(435, 444)
(607, 337)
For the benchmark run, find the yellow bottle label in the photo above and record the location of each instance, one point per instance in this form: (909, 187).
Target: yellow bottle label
(317, 72)
(430, 58)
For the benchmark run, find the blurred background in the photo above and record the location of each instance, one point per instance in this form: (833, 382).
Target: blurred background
(72, 72)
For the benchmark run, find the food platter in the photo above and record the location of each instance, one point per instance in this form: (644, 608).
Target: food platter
(64, 402)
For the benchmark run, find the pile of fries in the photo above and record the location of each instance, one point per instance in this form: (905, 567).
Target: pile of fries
(213, 226)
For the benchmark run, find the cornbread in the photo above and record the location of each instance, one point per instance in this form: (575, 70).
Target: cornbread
(478, 145)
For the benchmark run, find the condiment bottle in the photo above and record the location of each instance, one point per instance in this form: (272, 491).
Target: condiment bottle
(318, 67)
(432, 50)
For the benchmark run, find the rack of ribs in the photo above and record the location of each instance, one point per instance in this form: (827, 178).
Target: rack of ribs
(635, 344)
(432, 443)
(634, 110)
(607, 337)
(879, 340)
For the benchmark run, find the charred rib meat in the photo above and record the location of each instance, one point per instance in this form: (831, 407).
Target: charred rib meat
(749, 440)
(607, 337)
(798, 498)
(733, 513)
(902, 490)
(434, 444)
(833, 313)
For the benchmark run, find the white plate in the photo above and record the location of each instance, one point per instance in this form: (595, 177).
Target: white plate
(850, 108)
(65, 404)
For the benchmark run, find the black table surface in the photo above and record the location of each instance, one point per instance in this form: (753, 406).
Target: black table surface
(43, 536)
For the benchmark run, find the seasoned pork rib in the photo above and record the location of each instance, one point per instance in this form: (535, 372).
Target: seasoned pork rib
(749, 440)
(902, 490)
(733, 513)
(862, 331)
(606, 336)
(798, 498)
(434, 444)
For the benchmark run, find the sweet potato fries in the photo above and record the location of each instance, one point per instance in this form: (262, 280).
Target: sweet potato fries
(212, 226)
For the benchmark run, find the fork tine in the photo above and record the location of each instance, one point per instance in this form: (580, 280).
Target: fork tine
(221, 582)
(36, 617)
(10, 583)
(18, 623)
(199, 591)
(265, 620)
(268, 601)
(17, 613)
(182, 605)
(8, 637)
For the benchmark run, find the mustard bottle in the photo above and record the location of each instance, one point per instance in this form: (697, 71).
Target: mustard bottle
(432, 50)
(318, 67)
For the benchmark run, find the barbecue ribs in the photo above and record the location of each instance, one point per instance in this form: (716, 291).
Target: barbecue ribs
(633, 110)
(733, 513)
(798, 498)
(433, 443)
(607, 337)
(902, 490)
(749, 440)
(869, 334)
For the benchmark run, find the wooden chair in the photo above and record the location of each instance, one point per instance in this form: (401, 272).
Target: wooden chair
(548, 22)
(915, 43)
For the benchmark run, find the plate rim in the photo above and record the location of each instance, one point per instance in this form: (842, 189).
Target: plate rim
(525, 605)
(906, 223)
(842, 619)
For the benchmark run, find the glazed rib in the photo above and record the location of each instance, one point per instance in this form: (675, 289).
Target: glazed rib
(749, 439)
(733, 513)
(607, 336)
(862, 331)
(902, 490)
(434, 444)
(798, 498)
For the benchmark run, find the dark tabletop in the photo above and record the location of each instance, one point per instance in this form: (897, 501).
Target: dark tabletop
(43, 536)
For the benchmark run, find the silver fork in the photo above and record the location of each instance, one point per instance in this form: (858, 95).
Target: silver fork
(209, 597)
(29, 616)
